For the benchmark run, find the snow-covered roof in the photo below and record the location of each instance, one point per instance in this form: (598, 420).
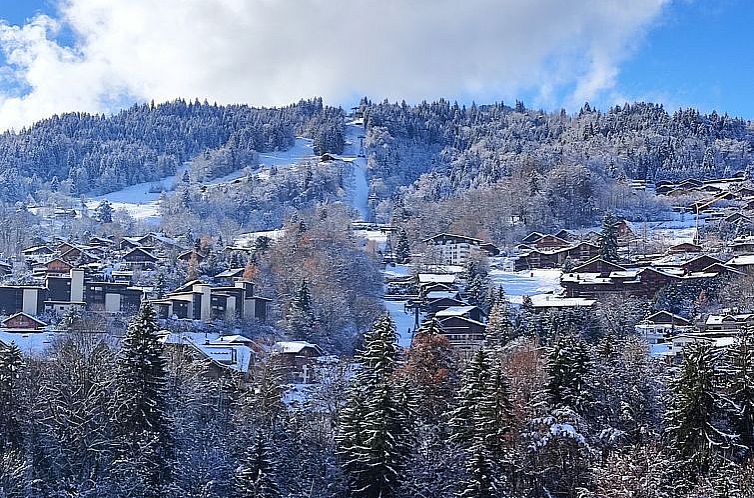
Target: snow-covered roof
(454, 311)
(293, 347)
(426, 278)
(745, 260)
(551, 301)
(441, 295)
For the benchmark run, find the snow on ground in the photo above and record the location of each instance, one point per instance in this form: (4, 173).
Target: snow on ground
(397, 271)
(248, 239)
(378, 236)
(143, 203)
(404, 321)
(525, 283)
(359, 190)
(140, 200)
(302, 149)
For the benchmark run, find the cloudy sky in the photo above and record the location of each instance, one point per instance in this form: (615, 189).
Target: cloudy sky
(100, 55)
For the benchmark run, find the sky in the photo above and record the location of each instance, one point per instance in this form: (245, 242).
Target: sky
(101, 55)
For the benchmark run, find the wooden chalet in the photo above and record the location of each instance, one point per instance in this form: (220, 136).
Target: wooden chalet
(22, 322)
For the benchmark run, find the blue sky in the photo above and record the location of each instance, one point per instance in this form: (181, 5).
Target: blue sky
(689, 53)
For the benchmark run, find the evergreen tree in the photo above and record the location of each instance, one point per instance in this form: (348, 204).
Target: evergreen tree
(373, 436)
(11, 364)
(160, 285)
(568, 363)
(481, 423)
(104, 212)
(140, 409)
(608, 239)
(478, 290)
(693, 414)
(255, 478)
(302, 322)
(500, 327)
(402, 247)
(740, 387)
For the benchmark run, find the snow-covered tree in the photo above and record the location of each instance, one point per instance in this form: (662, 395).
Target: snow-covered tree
(104, 212)
(608, 239)
(373, 434)
(255, 477)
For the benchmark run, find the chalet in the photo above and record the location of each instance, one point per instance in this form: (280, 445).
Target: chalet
(219, 354)
(659, 327)
(467, 311)
(22, 322)
(598, 265)
(128, 243)
(742, 245)
(465, 335)
(623, 230)
(743, 263)
(229, 275)
(58, 266)
(551, 242)
(744, 192)
(644, 282)
(63, 247)
(700, 263)
(540, 258)
(5, 268)
(566, 235)
(532, 238)
(684, 247)
(298, 360)
(737, 219)
(95, 241)
(138, 257)
(434, 306)
(458, 249)
(729, 324)
(722, 269)
(192, 255)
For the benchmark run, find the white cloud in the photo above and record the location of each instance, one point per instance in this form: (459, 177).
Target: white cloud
(274, 52)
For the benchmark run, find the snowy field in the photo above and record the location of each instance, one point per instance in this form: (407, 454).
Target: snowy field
(141, 202)
(526, 283)
(248, 239)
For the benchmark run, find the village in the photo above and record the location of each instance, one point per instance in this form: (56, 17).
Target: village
(545, 272)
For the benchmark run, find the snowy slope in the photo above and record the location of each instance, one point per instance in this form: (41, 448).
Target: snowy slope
(142, 204)
(359, 189)
(526, 283)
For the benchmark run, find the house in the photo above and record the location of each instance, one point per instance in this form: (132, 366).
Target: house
(684, 247)
(138, 257)
(737, 219)
(467, 311)
(58, 267)
(598, 265)
(22, 322)
(743, 263)
(659, 327)
(551, 242)
(298, 360)
(727, 324)
(465, 335)
(458, 249)
(532, 237)
(220, 354)
(742, 245)
(192, 255)
(700, 263)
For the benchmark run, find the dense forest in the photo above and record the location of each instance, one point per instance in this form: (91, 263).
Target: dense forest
(80, 153)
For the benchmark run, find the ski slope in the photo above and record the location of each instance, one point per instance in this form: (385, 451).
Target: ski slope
(143, 203)
(359, 188)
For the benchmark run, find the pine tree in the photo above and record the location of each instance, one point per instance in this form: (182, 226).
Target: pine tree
(302, 321)
(740, 387)
(402, 247)
(11, 364)
(694, 410)
(255, 478)
(568, 363)
(480, 424)
(160, 285)
(608, 239)
(500, 328)
(140, 409)
(373, 438)
(104, 212)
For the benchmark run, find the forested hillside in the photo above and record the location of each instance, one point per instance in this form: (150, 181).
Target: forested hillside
(79, 153)
(539, 169)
